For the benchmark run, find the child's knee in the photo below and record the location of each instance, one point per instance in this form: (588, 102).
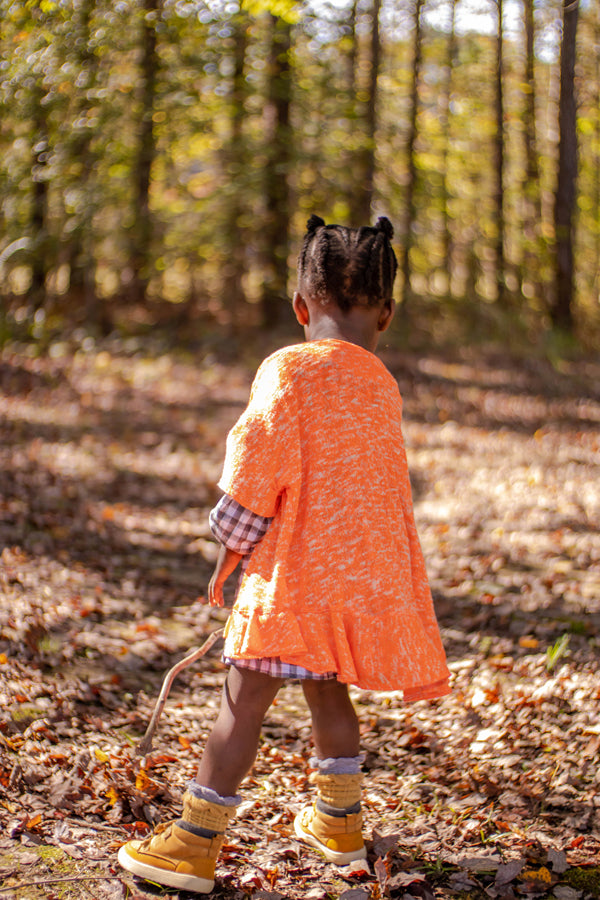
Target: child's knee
(249, 689)
(329, 691)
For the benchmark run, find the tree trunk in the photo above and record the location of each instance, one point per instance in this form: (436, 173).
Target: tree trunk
(278, 148)
(364, 188)
(352, 156)
(39, 202)
(596, 33)
(141, 254)
(80, 254)
(233, 293)
(564, 206)
(445, 115)
(409, 202)
(499, 160)
(532, 213)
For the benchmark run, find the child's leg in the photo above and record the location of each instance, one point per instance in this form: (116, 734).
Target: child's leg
(333, 824)
(183, 854)
(232, 744)
(334, 721)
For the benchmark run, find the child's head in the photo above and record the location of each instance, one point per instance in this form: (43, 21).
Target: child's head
(347, 266)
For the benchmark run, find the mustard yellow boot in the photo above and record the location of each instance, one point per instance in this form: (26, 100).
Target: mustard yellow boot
(176, 855)
(333, 823)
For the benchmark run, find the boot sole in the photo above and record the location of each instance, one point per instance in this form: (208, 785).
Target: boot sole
(334, 856)
(163, 876)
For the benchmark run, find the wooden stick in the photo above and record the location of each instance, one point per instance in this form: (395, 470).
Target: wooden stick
(145, 745)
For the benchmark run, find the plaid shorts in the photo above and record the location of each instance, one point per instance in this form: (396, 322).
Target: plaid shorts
(240, 529)
(276, 668)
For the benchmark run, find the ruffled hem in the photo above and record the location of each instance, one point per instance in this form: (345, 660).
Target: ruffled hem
(403, 654)
(428, 691)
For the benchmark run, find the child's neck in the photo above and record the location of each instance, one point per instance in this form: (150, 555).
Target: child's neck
(357, 326)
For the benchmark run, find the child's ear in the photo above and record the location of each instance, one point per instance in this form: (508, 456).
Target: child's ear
(301, 309)
(386, 315)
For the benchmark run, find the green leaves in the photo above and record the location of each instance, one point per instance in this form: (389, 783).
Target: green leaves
(288, 10)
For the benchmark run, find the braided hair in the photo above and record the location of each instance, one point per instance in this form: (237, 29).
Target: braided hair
(348, 266)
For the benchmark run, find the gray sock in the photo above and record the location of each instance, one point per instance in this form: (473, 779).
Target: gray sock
(339, 765)
(205, 793)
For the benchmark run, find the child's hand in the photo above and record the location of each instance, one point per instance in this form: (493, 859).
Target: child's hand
(215, 591)
(226, 563)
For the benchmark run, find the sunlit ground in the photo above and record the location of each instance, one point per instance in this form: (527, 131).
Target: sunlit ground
(108, 466)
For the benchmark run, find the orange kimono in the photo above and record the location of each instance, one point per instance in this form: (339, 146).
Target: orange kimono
(338, 583)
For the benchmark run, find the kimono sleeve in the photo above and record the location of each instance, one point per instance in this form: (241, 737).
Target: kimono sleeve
(262, 447)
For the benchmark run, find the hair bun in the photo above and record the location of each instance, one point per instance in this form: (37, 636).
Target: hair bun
(313, 223)
(384, 224)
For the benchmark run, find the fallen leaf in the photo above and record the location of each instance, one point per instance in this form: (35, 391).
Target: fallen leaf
(537, 877)
(403, 879)
(558, 861)
(356, 869)
(112, 796)
(564, 892)
(27, 858)
(382, 869)
(507, 872)
(487, 863)
(460, 881)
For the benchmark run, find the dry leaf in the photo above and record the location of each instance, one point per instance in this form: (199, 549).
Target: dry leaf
(358, 868)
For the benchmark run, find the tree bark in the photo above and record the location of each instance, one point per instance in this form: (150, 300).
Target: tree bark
(445, 113)
(39, 201)
(80, 255)
(499, 159)
(141, 253)
(233, 292)
(532, 213)
(596, 281)
(564, 205)
(278, 148)
(409, 201)
(352, 157)
(364, 188)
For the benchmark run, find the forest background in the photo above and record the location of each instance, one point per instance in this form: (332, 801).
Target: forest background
(159, 159)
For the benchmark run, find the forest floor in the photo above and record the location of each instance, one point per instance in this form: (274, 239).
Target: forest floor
(108, 464)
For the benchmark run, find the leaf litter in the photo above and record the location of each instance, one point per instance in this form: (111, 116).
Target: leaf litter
(108, 466)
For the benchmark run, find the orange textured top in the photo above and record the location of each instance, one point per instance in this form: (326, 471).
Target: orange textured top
(338, 583)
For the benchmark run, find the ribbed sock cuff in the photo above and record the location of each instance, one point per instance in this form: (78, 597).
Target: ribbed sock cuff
(204, 793)
(196, 829)
(339, 765)
(335, 811)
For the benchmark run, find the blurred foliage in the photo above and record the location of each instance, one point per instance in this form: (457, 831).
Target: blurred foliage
(76, 91)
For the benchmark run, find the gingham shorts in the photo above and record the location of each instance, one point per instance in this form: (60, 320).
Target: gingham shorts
(276, 668)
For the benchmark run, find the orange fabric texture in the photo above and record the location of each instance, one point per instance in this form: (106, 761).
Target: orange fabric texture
(338, 583)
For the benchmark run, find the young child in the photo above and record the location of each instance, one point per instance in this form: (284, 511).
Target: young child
(317, 505)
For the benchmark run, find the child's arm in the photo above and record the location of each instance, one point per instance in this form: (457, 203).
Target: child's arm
(227, 561)
(238, 530)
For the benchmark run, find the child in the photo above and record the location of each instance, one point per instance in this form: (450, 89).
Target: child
(334, 591)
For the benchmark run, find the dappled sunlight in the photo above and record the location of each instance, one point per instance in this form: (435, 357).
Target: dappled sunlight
(509, 520)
